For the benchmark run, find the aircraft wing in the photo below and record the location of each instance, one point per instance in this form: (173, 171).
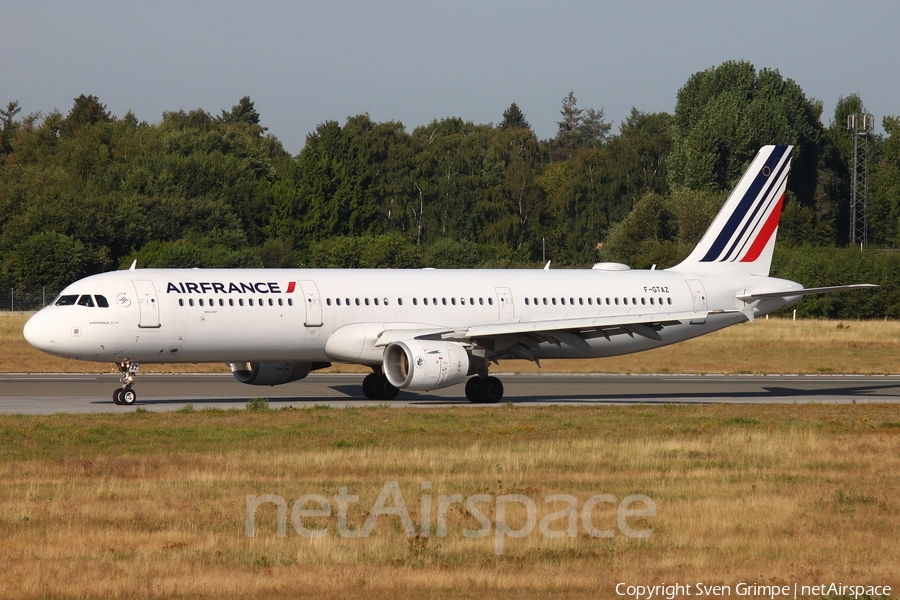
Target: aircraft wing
(519, 338)
(804, 291)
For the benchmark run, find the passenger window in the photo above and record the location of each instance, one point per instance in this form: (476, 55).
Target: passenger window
(181, 302)
(425, 301)
(191, 302)
(101, 301)
(652, 302)
(291, 302)
(385, 301)
(553, 301)
(643, 301)
(231, 302)
(67, 300)
(434, 301)
(562, 301)
(444, 301)
(250, 301)
(399, 302)
(281, 302)
(453, 301)
(86, 301)
(415, 301)
(545, 302)
(527, 301)
(328, 301)
(491, 301)
(367, 301)
(617, 301)
(357, 301)
(625, 301)
(200, 301)
(221, 302)
(472, 301)
(271, 303)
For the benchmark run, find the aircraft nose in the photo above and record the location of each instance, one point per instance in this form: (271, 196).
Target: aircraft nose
(40, 331)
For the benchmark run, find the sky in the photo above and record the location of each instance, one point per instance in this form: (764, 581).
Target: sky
(306, 62)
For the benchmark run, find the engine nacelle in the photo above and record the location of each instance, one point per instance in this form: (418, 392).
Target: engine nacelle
(422, 365)
(270, 373)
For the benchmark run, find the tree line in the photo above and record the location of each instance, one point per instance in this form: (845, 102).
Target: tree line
(87, 191)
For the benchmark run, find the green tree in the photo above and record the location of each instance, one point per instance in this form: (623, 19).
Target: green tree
(10, 126)
(725, 114)
(514, 118)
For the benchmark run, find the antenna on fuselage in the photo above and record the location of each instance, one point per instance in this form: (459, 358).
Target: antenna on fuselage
(133, 265)
(547, 266)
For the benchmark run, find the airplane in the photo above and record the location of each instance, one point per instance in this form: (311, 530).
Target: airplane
(426, 329)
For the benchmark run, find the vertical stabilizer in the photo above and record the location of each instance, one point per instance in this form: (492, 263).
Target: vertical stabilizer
(742, 236)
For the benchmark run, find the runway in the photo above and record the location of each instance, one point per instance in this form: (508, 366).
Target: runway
(47, 394)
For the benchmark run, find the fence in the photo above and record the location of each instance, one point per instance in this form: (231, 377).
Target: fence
(27, 299)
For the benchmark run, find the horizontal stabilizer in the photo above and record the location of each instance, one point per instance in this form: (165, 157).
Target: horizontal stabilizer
(804, 291)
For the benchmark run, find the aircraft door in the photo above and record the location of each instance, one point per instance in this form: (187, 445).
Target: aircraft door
(146, 295)
(505, 300)
(699, 295)
(313, 303)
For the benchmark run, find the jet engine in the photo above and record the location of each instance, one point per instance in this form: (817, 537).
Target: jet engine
(272, 373)
(422, 365)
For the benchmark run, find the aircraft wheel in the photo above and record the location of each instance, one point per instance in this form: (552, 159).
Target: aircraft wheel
(386, 390)
(368, 386)
(128, 396)
(472, 390)
(390, 392)
(490, 390)
(117, 396)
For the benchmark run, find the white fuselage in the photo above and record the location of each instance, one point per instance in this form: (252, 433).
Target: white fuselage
(245, 315)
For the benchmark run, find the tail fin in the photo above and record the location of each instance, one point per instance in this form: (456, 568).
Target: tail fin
(742, 236)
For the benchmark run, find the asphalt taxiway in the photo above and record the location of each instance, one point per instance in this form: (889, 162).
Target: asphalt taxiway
(47, 394)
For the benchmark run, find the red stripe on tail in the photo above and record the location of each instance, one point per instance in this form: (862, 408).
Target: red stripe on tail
(765, 233)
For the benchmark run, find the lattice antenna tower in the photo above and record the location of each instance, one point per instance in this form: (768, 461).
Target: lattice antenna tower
(860, 127)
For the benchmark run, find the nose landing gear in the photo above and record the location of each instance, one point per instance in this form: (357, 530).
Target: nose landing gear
(125, 395)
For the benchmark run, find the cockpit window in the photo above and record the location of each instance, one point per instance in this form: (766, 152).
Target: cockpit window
(86, 300)
(101, 301)
(67, 300)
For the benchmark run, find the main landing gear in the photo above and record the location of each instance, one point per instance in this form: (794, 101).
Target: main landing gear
(377, 387)
(125, 395)
(484, 390)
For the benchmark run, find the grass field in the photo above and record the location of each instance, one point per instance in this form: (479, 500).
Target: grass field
(764, 346)
(146, 504)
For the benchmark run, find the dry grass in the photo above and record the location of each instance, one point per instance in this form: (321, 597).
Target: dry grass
(153, 504)
(764, 346)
